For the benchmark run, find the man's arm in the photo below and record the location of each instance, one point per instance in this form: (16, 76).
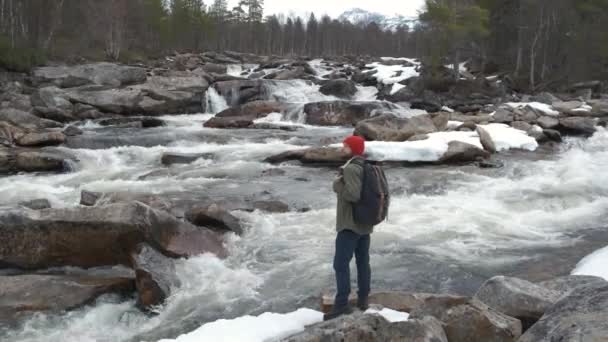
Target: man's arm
(351, 189)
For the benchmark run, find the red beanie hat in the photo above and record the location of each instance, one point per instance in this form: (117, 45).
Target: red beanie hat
(356, 144)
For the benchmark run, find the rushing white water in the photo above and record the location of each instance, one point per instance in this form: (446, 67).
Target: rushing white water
(445, 215)
(215, 103)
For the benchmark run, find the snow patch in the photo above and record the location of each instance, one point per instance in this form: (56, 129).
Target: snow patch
(595, 264)
(447, 109)
(266, 327)
(391, 74)
(542, 107)
(506, 137)
(390, 315)
(396, 88)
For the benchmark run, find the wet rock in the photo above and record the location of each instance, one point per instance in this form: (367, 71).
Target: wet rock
(431, 106)
(553, 135)
(566, 284)
(366, 78)
(547, 122)
(340, 88)
(53, 114)
(578, 316)
(72, 131)
(362, 327)
(238, 92)
(52, 98)
(503, 115)
(173, 95)
(466, 320)
(170, 158)
(215, 217)
(517, 298)
(230, 122)
(486, 140)
(96, 236)
(9, 133)
(26, 120)
(109, 74)
(459, 152)
(578, 125)
(154, 276)
(567, 107)
(215, 68)
(254, 110)
(39, 161)
(314, 155)
(21, 295)
(41, 139)
(343, 113)
(37, 204)
(271, 206)
(388, 127)
(89, 198)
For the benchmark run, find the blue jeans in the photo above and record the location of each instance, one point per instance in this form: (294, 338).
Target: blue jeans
(347, 244)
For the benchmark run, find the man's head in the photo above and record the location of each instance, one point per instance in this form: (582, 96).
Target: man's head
(354, 145)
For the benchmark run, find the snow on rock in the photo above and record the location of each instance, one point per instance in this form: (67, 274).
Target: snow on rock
(390, 315)
(396, 88)
(595, 264)
(447, 109)
(542, 107)
(454, 124)
(391, 74)
(506, 137)
(266, 327)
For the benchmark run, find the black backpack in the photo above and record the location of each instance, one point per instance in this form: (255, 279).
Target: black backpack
(372, 207)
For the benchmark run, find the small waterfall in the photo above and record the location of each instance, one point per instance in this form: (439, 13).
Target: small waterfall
(214, 102)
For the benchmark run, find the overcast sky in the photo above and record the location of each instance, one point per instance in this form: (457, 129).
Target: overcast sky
(336, 7)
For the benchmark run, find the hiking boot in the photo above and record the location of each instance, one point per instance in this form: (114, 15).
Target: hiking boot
(337, 312)
(363, 304)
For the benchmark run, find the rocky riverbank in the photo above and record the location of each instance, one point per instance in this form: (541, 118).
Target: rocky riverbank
(102, 174)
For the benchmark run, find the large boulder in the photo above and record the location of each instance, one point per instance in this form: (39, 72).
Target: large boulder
(517, 298)
(365, 78)
(238, 92)
(243, 116)
(154, 276)
(578, 125)
(96, 236)
(503, 115)
(9, 133)
(121, 101)
(41, 139)
(466, 320)
(460, 152)
(340, 88)
(567, 107)
(172, 94)
(109, 74)
(566, 284)
(547, 122)
(343, 113)
(388, 127)
(21, 295)
(26, 120)
(89, 198)
(52, 98)
(170, 158)
(361, 327)
(578, 316)
(42, 161)
(216, 217)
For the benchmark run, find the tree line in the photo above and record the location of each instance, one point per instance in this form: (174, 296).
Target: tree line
(537, 43)
(131, 29)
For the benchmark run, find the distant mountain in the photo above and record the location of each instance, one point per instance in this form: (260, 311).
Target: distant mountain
(360, 16)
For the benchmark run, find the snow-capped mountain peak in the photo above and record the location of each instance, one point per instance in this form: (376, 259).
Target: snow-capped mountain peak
(360, 16)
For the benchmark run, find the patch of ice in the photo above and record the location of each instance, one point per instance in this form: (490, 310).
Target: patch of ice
(454, 124)
(390, 315)
(506, 137)
(543, 107)
(266, 327)
(594, 264)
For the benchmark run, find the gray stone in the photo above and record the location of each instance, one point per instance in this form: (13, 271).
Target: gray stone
(486, 140)
(216, 217)
(96, 236)
(503, 115)
(362, 327)
(553, 135)
(170, 158)
(21, 295)
(578, 125)
(388, 127)
(466, 320)
(110, 74)
(567, 107)
(154, 276)
(578, 316)
(26, 120)
(41, 139)
(517, 298)
(34, 161)
(89, 198)
(340, 88)
(566, 284)
(547, 122)
(459, 152)
(343, 113)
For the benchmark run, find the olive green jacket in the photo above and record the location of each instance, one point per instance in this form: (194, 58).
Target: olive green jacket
(348, 189)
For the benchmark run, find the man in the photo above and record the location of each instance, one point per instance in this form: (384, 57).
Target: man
(353, 238)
